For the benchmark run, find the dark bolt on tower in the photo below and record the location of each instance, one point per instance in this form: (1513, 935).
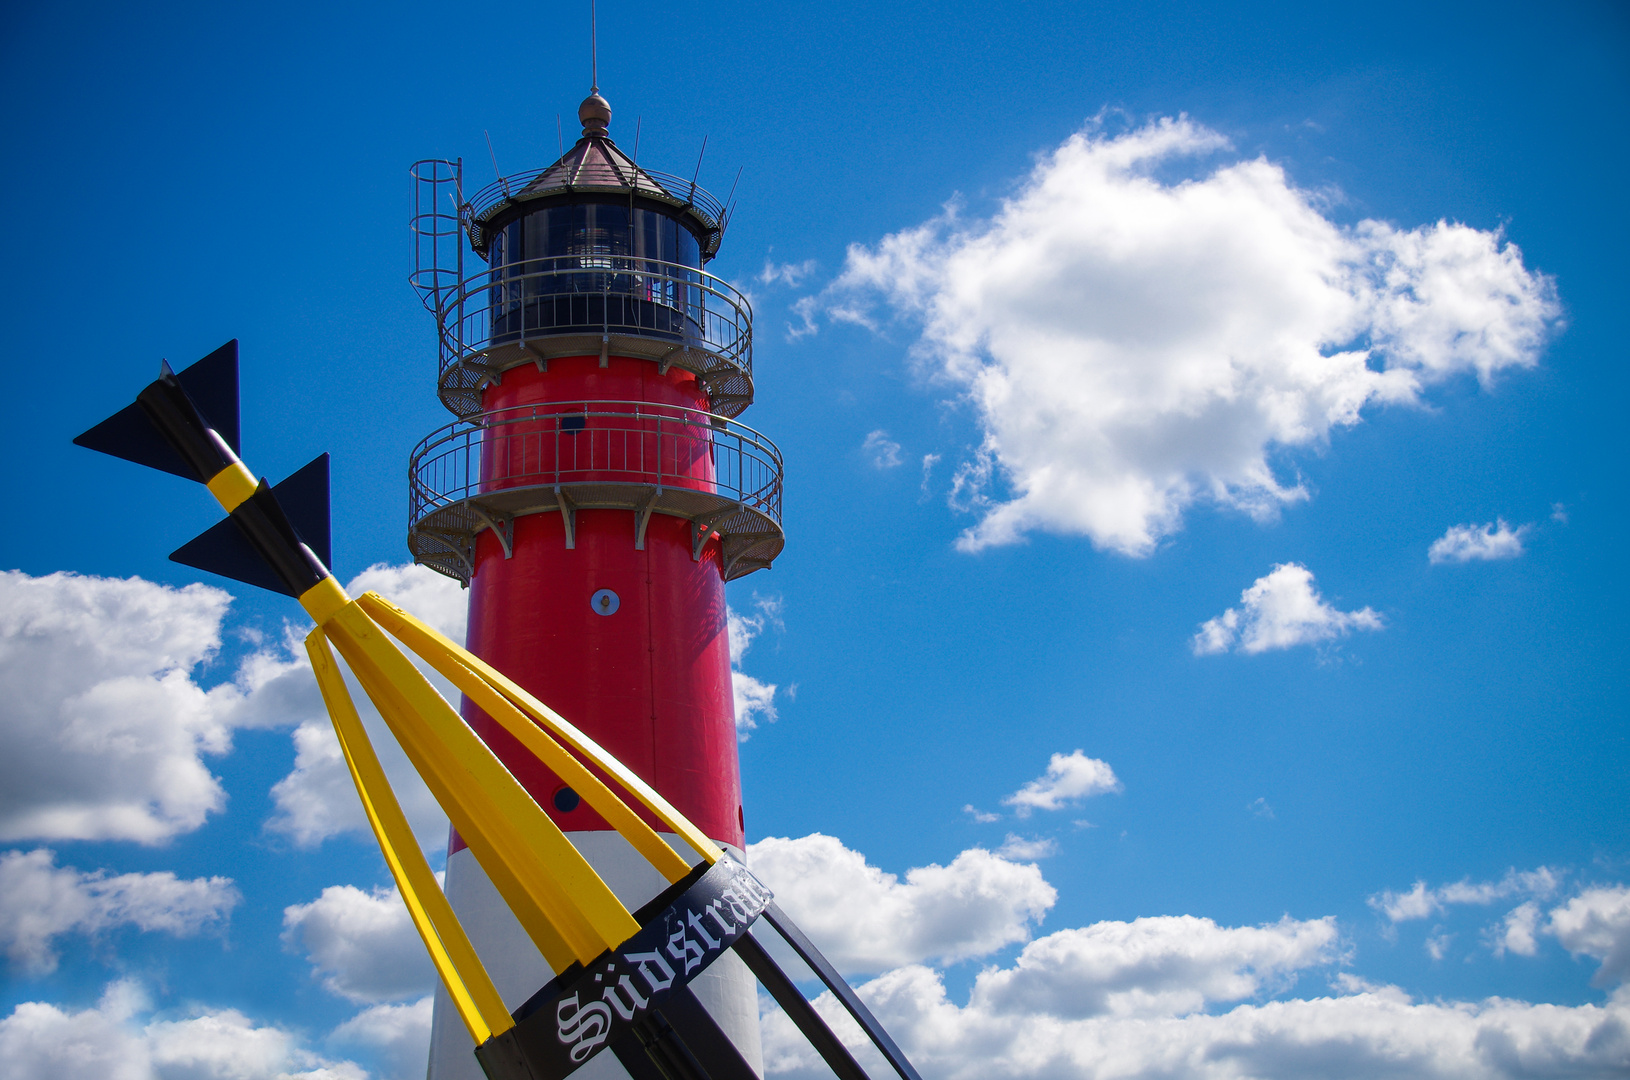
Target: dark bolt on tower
(595, 492)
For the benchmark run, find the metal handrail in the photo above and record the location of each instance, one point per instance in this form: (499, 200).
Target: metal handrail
(682, 191)
(574, 295)
(594, 442)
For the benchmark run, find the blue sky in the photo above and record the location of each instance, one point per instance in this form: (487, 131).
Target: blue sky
(1079, 327)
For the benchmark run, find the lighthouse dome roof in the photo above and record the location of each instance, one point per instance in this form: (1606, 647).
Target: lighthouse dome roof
(596, 165)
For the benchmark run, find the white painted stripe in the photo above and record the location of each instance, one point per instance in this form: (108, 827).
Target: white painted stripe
(726, 988)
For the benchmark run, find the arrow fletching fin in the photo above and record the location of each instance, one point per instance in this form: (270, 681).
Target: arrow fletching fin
(212, 383)
(224, 549)
(212, 386)
(293, 513)
(130, 435)
(304, 497)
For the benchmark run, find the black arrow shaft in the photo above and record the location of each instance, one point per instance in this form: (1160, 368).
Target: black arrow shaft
(264, 524)
(178, 420)
(260, 517)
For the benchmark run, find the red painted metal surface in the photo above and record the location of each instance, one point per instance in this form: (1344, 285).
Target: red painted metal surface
(651, 682)
(581, 378)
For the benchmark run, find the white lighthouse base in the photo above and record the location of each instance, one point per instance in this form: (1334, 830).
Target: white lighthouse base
(727, 989)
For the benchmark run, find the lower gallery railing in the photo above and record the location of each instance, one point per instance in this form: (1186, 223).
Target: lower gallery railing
(485, 470)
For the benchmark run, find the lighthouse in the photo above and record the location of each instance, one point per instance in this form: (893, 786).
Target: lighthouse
(594, 491)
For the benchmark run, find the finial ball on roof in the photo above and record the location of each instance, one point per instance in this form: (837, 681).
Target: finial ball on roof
(594, 114)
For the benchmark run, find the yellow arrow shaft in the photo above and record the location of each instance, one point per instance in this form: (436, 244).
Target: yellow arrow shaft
(442, 655)
(468, 984)
(484, 798)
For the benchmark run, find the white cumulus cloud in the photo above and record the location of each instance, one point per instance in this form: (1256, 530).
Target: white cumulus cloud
(1596, 923)
(1183, 998)
(103, 725)
(398, 1036)
(1371, 1032)
(753, 698)
(40, 901)
(1165, 965)
(318, 799)
(1132, 341)
(864, 919)
(1422, 902)
(362, 944)
(1280, 611)
(1069, 778)
(1463, 543)
(1516, 933)
(118, 1039)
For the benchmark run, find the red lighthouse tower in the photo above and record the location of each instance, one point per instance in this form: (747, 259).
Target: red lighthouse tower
(595, 493)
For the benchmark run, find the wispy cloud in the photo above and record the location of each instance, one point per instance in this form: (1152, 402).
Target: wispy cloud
(929, 461)
(1027, 848)
(789, 274)
(882, 451)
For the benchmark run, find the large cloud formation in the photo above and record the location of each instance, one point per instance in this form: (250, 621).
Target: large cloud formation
(1183, 998)
(118, 1039)
(867, 920)
(1361, 1031)
(363, 944)
(1132, 343)
(103, 726)
(40, 901)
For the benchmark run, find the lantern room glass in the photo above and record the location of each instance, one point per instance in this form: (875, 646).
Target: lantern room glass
(591, 229)
(592, 267)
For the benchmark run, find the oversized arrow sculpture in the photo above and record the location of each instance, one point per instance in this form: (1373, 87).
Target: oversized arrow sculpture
(623, 982)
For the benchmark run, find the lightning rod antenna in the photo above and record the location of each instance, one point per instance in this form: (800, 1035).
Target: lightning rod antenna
(634, 185)
(729, 202)
(594, 49)
(698, 169)
(501, 181)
